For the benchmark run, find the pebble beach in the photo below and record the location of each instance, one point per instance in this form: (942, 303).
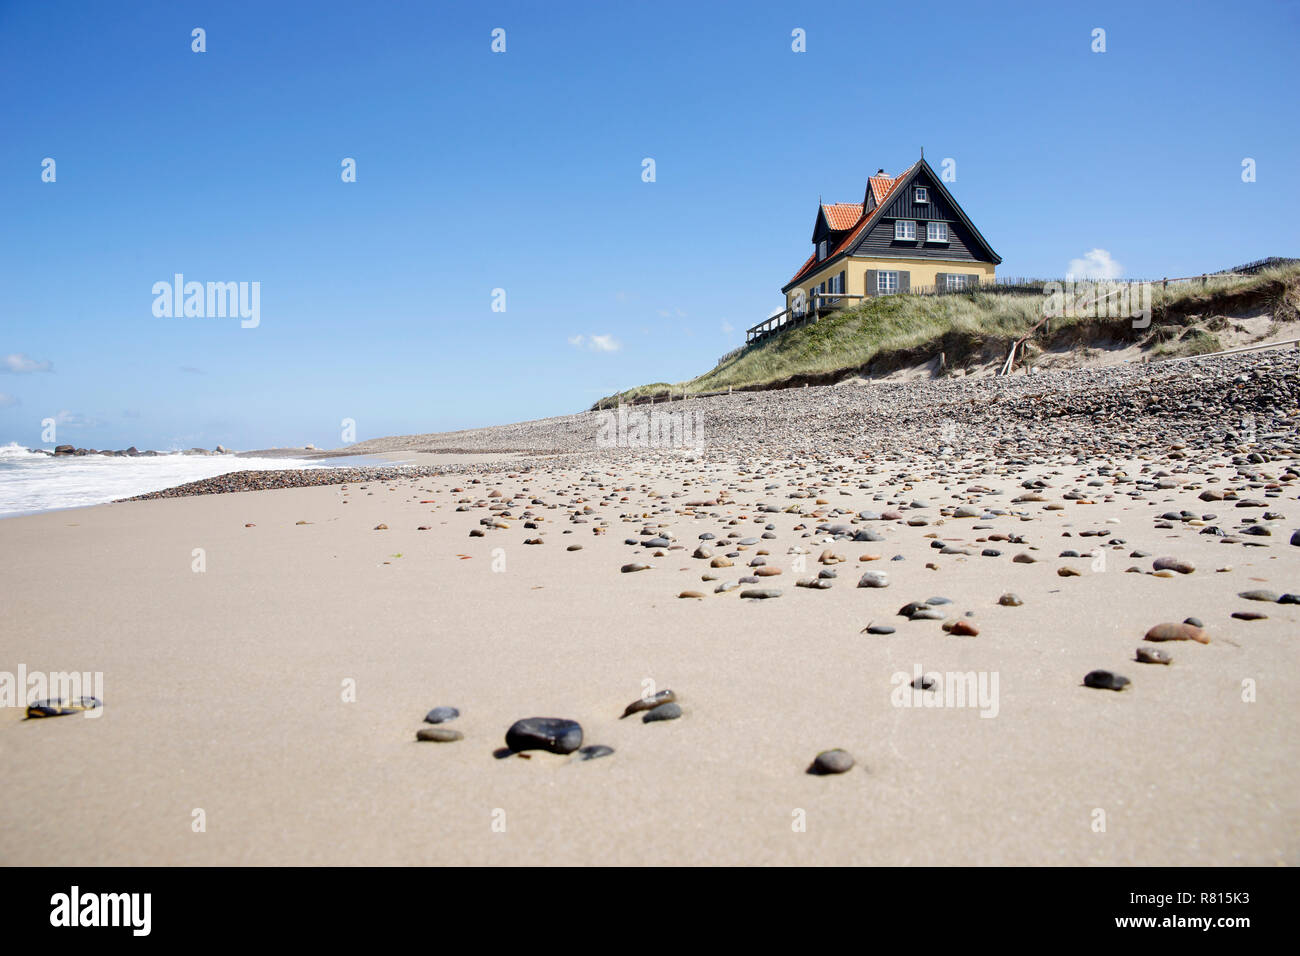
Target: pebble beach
(1047, 619)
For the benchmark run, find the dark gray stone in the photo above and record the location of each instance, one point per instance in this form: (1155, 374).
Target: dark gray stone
(670, 711)
(1105, 680)
(552, 734)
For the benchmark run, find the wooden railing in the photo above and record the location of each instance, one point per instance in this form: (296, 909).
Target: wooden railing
(820, 303)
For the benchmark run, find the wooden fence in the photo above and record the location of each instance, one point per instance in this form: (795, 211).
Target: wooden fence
(1259, 265)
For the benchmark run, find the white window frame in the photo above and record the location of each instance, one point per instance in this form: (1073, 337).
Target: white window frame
(821, 250)
(929, 226)
(922, 194)
(956, 280)
(904, 229)
(887, 282)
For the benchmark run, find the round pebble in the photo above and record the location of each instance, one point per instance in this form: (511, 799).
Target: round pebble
(831, 762)
(1178, 632)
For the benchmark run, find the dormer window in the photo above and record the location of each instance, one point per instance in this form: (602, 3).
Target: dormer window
(904, 229)
(922, 194)
(936, 232)
(821, 250)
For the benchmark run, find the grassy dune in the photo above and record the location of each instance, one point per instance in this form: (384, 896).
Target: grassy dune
(882, 334)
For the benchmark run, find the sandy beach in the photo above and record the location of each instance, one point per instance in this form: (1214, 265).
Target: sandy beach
(227, 690)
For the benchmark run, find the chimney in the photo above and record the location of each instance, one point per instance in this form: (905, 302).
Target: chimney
(880, 172)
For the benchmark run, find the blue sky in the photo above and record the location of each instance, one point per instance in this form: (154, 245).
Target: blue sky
(522, 171)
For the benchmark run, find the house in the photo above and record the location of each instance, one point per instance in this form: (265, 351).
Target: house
(907, 235)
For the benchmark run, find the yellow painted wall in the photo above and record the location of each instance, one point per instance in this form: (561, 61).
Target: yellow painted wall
(922, 272)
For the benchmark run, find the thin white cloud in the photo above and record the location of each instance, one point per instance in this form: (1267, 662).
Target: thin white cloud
(1095, 264)
(595, 343)
(673, 313)
(727, 327)
(16, 363)
(9, 401)
(75, 419)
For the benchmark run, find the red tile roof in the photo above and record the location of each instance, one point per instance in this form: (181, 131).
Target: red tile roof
(842, 215)
(882, 187)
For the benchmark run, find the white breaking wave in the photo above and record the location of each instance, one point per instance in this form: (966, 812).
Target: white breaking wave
(32, 481)
(15, 450)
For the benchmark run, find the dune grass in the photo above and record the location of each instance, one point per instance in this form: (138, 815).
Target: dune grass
(899, 328)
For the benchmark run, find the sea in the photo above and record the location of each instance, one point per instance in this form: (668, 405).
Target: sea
(32, 482)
